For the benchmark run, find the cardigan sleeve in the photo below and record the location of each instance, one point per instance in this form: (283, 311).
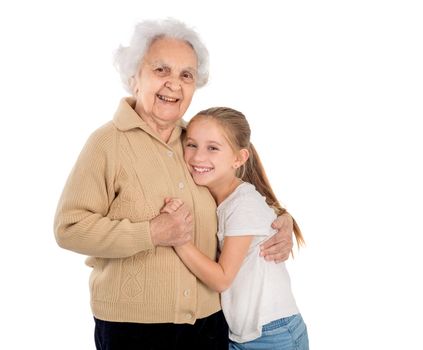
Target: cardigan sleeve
(81, 223)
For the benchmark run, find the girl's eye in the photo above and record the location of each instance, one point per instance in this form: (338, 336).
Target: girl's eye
(190, 145)
(212, 148)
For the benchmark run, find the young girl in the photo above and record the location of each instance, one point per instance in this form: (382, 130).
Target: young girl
(256, 296)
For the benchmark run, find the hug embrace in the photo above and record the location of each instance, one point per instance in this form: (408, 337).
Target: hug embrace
(141, 202)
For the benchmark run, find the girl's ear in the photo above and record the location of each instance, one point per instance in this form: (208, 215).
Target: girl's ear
(242, 157)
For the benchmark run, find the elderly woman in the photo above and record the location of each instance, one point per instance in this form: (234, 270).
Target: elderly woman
(142, 295)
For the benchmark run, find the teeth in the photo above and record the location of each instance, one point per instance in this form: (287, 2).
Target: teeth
(167, 99)
(201, 170)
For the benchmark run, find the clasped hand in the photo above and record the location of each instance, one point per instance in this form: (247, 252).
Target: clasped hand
(174, 226)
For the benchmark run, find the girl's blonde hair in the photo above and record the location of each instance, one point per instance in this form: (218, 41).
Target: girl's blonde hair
(237, 131)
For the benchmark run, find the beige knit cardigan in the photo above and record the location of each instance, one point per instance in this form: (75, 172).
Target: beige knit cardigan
(117, 185)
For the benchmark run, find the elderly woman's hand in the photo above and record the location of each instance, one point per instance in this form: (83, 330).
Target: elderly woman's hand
(278, 247)
(174, 226)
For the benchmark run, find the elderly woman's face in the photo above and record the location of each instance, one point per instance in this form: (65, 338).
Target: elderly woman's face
(165, 82)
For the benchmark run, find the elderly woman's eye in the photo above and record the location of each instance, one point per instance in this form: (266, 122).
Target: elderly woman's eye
(187, 76)
(161, 70)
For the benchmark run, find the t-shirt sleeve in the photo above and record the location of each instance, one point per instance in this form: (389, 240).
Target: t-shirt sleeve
(248, 215)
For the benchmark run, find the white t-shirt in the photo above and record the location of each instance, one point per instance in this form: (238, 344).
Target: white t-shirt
(261, 291)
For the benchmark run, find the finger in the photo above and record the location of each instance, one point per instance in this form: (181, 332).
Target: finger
(279, 221)
(177, 201)
(281, 248)
(277, 224)
(174, 206)
(183, 210)
(270, 242)
(169, 208)
(277, 258)
(174, 201)
(269, 251)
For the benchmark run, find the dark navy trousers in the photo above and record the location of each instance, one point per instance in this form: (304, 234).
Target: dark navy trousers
(210, 333)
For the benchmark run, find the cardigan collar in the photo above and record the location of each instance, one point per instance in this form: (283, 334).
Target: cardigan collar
(126, 119)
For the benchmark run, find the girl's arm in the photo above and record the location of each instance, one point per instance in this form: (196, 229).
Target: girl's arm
(217, 275)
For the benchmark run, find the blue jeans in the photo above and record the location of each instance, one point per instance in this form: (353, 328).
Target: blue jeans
(289, 333)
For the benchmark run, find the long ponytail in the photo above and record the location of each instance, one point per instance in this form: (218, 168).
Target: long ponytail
(253, 172)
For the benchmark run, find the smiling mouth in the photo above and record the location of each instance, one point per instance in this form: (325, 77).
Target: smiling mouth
(167, 99)
(201, 170)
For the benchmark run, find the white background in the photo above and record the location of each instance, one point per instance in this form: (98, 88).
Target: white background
(333, 91)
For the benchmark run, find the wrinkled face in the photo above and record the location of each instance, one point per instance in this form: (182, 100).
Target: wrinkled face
(208, 154)
(165, 83)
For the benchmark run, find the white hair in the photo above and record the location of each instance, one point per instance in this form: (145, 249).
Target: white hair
(128, 58)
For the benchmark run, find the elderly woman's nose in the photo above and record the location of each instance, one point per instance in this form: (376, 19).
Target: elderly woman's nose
(173, 84)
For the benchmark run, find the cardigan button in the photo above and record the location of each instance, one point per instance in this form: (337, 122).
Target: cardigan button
(170, 154)
(187, 292)
(181, 185)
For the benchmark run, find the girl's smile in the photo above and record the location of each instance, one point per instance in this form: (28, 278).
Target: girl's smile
(201, 170)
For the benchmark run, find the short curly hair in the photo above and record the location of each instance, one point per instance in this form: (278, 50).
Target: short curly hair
(128, 58)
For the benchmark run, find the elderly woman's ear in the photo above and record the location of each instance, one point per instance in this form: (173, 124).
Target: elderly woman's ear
(133, 86)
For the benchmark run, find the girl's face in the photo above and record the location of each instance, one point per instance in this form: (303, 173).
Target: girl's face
(210, 158)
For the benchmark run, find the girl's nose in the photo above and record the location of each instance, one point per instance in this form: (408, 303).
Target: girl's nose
(198, 155)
